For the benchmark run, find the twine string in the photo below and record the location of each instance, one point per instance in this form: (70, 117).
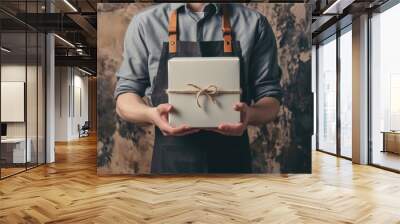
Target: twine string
(211, 91)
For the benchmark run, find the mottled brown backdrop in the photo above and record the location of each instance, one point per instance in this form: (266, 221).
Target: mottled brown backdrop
(283, 146)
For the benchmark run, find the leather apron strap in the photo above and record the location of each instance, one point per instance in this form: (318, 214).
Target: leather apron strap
(226, 31)
(173, 31)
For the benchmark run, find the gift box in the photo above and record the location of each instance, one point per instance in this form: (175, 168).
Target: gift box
(203, 90)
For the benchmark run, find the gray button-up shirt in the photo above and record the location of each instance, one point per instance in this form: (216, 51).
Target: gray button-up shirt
(148, 30)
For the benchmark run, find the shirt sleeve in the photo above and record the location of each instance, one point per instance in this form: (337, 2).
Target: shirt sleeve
(133, 74)
(265, 73)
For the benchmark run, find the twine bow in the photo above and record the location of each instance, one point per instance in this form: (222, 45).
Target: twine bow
(211, 91)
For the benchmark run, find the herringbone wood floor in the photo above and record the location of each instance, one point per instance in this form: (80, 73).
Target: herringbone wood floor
(69, 191)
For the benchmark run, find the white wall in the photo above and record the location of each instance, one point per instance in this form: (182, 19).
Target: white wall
(71, 94)
(80, 110)
(14, 73)
(33, 126)
(17, 73)
(61, 103)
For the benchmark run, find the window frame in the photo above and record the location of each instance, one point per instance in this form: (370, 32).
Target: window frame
(334, 37)
(381, 9)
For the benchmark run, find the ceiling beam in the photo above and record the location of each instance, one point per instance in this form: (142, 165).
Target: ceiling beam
(320, 23)
(49, 22)
(337, 7)
(84, 24)
(82, 61)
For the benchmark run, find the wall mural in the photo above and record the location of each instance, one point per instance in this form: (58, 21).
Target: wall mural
(282, 146)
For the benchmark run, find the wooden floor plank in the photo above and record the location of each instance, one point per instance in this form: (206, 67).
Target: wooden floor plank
(69, 191)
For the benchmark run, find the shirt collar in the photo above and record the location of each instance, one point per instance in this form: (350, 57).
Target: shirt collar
(175, 6)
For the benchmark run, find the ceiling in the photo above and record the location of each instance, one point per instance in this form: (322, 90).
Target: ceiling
(24, 48)
(76, 22)
(332, 15)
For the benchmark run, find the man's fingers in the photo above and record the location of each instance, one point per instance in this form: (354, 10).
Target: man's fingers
(165, 128)
(243, 109)
(181, 130)
(164, 133)
(240, 107)
(164, 108)
(191, 131)
(225, 129)
(164, 117)
(230, 127)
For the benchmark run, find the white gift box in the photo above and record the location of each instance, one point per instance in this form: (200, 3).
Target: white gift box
(203, 90)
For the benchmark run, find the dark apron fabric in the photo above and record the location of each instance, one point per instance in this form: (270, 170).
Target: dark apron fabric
(205, 151)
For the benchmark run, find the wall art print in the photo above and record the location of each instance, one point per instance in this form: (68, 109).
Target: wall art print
(281, 146)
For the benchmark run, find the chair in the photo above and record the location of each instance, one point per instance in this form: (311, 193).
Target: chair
(84, 130)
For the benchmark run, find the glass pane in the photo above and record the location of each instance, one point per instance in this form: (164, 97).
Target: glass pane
(327, 96)
(41, 99)
(32, 86)
(385, 84)
(31, 97)
(314, 90)
(346, 94)
(13, 86)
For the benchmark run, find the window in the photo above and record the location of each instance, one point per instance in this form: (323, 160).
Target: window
(346, 93)
(22, 78)
(385, 89)
(327, 96)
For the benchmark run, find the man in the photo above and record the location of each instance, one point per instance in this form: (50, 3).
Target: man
(149, 43)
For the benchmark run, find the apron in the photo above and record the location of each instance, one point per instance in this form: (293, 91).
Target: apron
(204, 151)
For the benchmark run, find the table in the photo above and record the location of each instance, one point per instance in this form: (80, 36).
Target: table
(391, 141)
(13, 150)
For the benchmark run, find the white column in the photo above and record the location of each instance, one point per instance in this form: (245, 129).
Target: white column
(360, 90)
(314, 90)
(50, 100)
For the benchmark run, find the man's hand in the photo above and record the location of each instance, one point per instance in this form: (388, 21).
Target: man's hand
(264, 110)
(159, 116)
(235, 129)
(132, 108)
